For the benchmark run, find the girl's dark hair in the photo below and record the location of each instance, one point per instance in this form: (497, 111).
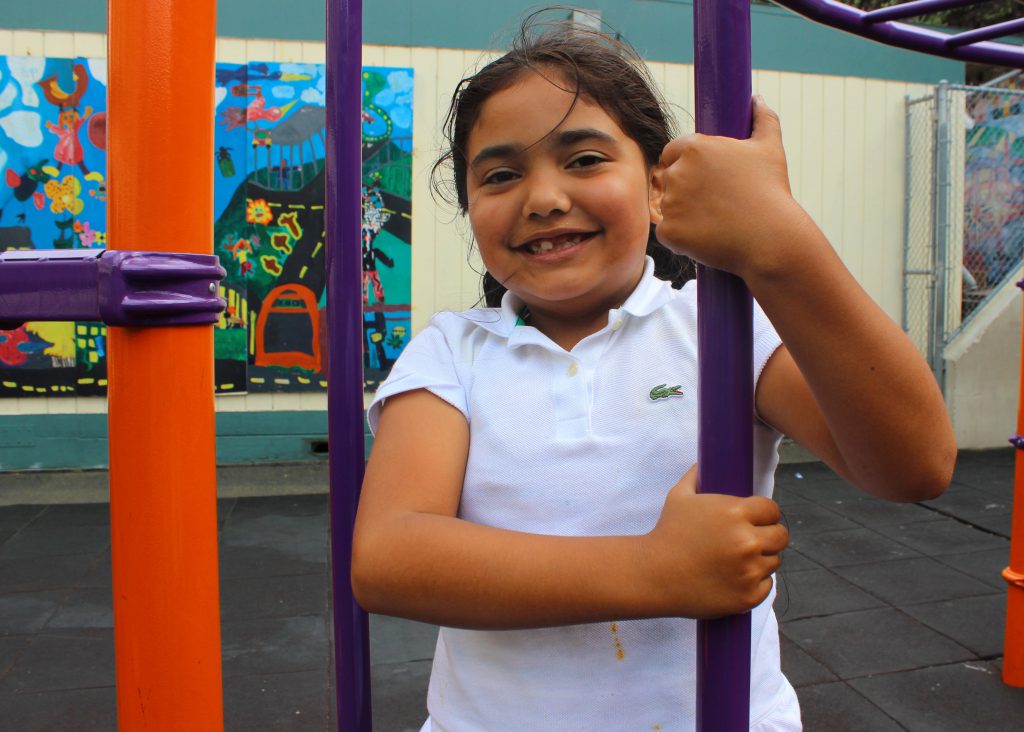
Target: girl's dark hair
(602, 69)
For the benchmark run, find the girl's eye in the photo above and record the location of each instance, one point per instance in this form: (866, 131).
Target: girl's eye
(587, 160)
(497, 177)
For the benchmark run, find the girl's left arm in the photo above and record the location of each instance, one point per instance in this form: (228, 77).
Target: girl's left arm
(847, 384)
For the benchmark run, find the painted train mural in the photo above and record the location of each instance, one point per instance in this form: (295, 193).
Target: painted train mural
(269, 195)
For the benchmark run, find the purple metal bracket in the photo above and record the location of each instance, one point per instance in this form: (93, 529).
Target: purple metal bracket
(880, 25)
(126, 288)
(1017, 441)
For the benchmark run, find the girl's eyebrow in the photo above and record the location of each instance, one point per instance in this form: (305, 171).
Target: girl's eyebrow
(562, 138)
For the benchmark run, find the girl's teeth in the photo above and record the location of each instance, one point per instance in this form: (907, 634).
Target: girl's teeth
(546, 245)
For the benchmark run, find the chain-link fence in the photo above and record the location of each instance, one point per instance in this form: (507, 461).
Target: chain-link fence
(964, 208)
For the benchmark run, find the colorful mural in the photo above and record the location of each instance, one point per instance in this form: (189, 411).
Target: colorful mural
(52, 196)
(269, 218)
(993, 188)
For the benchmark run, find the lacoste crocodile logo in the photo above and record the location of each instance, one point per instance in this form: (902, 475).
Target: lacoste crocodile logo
(663, 391)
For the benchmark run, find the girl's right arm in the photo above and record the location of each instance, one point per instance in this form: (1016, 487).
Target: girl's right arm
(413, 557)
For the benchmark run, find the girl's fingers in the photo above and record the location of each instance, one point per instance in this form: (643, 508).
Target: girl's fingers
(766, 124)
(773, 539)
(762, 511)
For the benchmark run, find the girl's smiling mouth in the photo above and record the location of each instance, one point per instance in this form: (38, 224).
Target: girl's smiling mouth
(553, 243)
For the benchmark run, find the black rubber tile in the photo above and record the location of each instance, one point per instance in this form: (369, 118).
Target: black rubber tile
(93, 709)
(237, 562)
(976, 623)
(964, 500)
(85, 609)
(853, 546)
(785, 497)
(794, 561)
(800, 668)
(395, 640)
(11, 647)
(986, 566)
(27, 612)
(871, 512)
(947, 536)
(872, 642)
(990, 470)
(275, 645)
(917, 580)
(997, 523)
(225, 507)
(268, 597)
(272, 545)
(56, 541)
(823, 491)
(290, 701)
(51, 573)
(818, 592)
(307, 505)
(838, 708)
(66, 661)
(949, 698)
(809, 518)
(73, 514)
(13, 518)
(304, 537)
(399, 694)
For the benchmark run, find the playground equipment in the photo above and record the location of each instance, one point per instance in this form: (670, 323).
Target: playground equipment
(163, 509)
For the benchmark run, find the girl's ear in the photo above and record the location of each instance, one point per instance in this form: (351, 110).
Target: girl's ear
(656, 191)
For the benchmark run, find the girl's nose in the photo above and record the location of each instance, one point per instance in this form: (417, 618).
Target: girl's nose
(545, 196)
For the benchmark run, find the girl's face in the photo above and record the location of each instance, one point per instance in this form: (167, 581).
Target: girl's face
(560, 202)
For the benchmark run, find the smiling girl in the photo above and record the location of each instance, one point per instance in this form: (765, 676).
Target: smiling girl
(530, 487)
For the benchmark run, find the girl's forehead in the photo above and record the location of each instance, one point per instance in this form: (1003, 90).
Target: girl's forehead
(533, 107)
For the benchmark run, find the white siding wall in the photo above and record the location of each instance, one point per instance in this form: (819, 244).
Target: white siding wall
(843, 135)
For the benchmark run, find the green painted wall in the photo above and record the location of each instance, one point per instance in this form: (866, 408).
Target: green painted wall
(79, 441)
(661, 29)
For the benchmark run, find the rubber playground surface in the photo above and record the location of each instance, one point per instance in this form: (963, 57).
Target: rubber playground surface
(892, 616)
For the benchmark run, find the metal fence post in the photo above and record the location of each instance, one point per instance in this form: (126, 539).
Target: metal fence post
(941, 232)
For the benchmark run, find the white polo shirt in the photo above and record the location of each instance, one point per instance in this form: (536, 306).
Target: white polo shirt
(581, 443)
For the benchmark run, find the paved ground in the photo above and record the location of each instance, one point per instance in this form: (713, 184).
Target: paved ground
(892, 616)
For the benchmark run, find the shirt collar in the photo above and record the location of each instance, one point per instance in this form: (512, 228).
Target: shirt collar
(649, 295)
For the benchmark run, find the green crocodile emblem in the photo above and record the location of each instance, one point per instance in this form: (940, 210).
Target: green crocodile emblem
(663, 391)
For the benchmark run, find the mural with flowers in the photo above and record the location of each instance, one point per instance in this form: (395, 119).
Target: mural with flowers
(269, 218)
(52, 196)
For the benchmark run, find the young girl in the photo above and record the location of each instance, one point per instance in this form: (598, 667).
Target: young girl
(530, 487)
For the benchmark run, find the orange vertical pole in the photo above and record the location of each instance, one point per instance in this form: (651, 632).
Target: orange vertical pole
(1013, 642)
(162, 432)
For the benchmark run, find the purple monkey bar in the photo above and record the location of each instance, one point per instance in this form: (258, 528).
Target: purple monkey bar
(879, 25)
(116, 287)
(722, 74)
(345, 362)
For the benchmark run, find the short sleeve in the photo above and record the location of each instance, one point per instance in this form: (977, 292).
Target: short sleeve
(427, 362)
(766, 341)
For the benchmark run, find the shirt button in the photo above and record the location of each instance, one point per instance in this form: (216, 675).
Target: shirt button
(573, 369)
(617, 324)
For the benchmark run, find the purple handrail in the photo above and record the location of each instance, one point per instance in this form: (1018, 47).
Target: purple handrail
(345, 348)
(912, 37)
(725, 351)
(913, 9)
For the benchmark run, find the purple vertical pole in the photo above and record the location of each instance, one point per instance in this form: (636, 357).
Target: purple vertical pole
(345, 377)
(724, 340)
